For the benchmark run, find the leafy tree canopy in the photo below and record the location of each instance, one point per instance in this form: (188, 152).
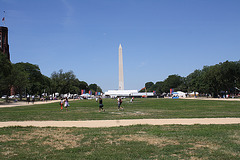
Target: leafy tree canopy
(211, 79)
(5, 72)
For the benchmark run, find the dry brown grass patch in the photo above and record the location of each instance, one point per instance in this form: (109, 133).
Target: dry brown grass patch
(8, 151)
(56, 138)
(4, 138)
(137, 113)
(160, 142)
(213, 147)
(151, 140)
(60, 138)
(236, 137)
(210, 146)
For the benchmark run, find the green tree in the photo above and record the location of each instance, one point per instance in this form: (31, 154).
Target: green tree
(158, 87)
(93, 87)
(5, 78)
(194, 81)
(83, 85)
(211, 79)
(221, 77)
(148, 85)
(99, 89)
(35, 78)
(173, 81)
(229, 75)
(47, 85)
(67, 83)
(19, 80)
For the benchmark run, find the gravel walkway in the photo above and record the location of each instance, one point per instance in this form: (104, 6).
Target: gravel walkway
(16, 104)
(127, 122)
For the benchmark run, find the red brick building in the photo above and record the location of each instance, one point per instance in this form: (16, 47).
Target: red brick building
(4, 47)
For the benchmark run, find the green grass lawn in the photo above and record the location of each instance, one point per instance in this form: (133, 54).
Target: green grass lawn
(141, 108)
(131, 142)
(213, 142)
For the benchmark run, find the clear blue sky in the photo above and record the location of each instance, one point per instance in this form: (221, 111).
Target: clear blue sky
(159, 37)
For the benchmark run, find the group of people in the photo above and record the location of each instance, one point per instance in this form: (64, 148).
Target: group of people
(119, 102)
(28, 99)
(65, 103)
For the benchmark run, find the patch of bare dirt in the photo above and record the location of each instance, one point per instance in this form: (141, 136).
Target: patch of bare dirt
(152, 140)
(8, 151)
(4, 138)
(210, 146)
(236, 137)
(213, 147)
(137, 113)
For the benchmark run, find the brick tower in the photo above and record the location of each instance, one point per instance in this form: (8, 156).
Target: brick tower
(4, 47)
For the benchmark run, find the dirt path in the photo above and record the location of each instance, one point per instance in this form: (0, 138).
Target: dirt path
(116, 123)
(16, 104)
(214, 99)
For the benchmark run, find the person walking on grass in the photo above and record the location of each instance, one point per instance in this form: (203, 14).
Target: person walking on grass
(119, 103)
(96, 99)
(33, 99)
(101, 105)
(131, 101)
(61, 104)
(66, 103)
(28, 99)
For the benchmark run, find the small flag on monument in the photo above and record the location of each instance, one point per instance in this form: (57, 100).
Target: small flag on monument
(3, 19)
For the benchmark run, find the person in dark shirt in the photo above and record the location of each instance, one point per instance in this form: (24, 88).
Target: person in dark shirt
(28, 99)
(119, 103)
(100, 105)
(33, 99)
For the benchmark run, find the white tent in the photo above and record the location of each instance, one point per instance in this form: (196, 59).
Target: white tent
(179, 94)
(118, 93)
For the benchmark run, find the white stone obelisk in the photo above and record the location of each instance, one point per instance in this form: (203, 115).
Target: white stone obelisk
(121, 82)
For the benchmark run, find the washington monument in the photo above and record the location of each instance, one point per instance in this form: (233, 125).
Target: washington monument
(121, 82)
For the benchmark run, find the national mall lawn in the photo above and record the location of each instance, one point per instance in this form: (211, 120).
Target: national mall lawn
(141, 108)
(213, 142)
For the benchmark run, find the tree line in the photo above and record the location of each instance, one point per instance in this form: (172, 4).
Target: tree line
(27, 79)
(222, 78)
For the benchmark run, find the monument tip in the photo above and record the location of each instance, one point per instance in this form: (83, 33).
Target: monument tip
(120, 46)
